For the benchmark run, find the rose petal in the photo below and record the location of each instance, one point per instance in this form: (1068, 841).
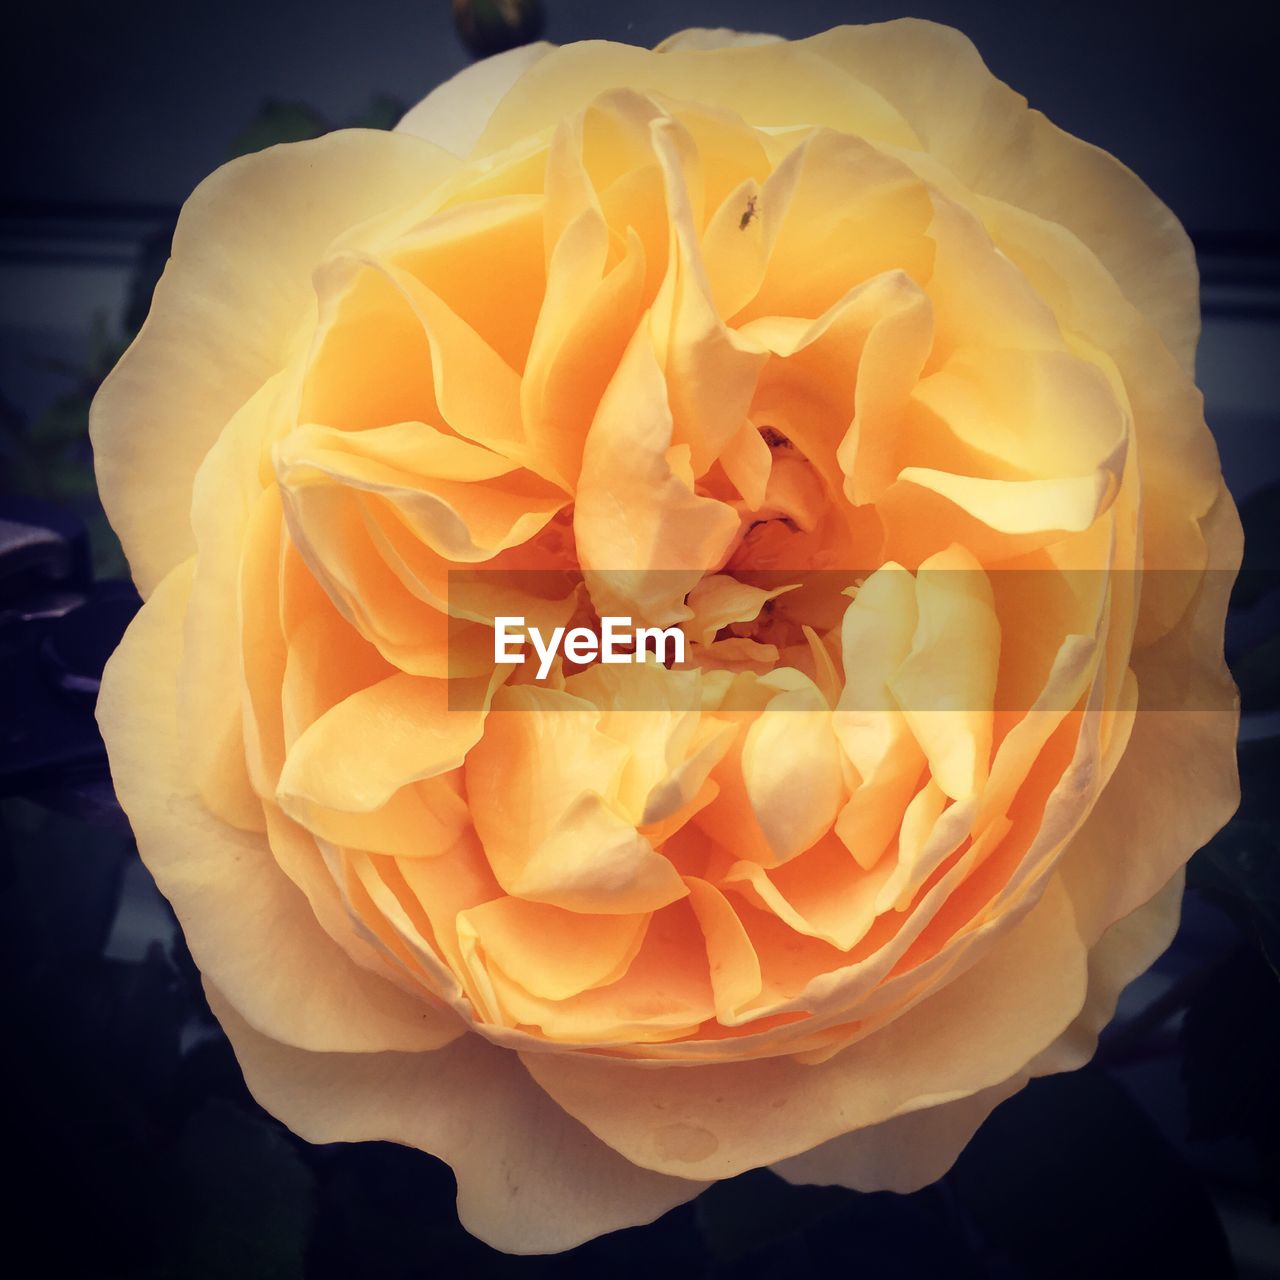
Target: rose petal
(248, 926)
(1184, 735)
(454, 114)
(984, 132)
(226, 314)
(530, 1178)
(719, 1120)
(903, 1154)
(917, 1148)
(644, 536)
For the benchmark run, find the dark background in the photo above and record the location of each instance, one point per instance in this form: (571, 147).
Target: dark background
(132, 1147)
(133, 103)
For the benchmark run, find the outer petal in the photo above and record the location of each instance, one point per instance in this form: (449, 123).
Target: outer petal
(912, 1150)
(1124, 952)
(226, 314)
(777, 83)
(713, 38)
(984, 133)
(454, 114)
(903, 1154)
(530, 1179)
(248, 926)
(718, 1120)
(1176, 783)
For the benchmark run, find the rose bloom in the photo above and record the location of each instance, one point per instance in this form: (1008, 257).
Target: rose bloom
(668, 322)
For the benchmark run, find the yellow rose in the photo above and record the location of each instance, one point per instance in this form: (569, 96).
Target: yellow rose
(832, 353)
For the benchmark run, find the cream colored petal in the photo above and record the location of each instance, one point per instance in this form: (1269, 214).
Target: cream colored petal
(398, 731)
(915, 1149)
(1176, 783)
(530, 1178)
(853, 213)
(903, 1154)
(731, 959)
(644, 536)
(720, 599)
(335, 533)
(1124, 952)
(865, 352)
(768, 84)
(718, 1120)
(586, 319)
(876, 637)
(543, 783)
(231, 514)
(226, 314)
(1066, 505)
(627, 1013)
(791, 772)
(595, 861)
(823, 894)
(418, 821)
(454, 114)
(983, 131)
(781, 784)
(248, 926)
(552, 953)
(712, 38)
(946, 686)
(1176, 455)
(478, 392)
(747, 461)
(711, 369)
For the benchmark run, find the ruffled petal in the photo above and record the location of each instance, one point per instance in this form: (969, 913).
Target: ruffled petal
(984, 133)
(719, 1120)
(248, 927)
(228, 312)
(454, 114)
(530, 1178)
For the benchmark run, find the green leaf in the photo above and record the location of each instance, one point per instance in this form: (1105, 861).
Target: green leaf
(278, 122)
(383, 112)
(252, 1199)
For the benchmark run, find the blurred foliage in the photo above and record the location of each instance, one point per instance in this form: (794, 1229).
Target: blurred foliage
(49, 457)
